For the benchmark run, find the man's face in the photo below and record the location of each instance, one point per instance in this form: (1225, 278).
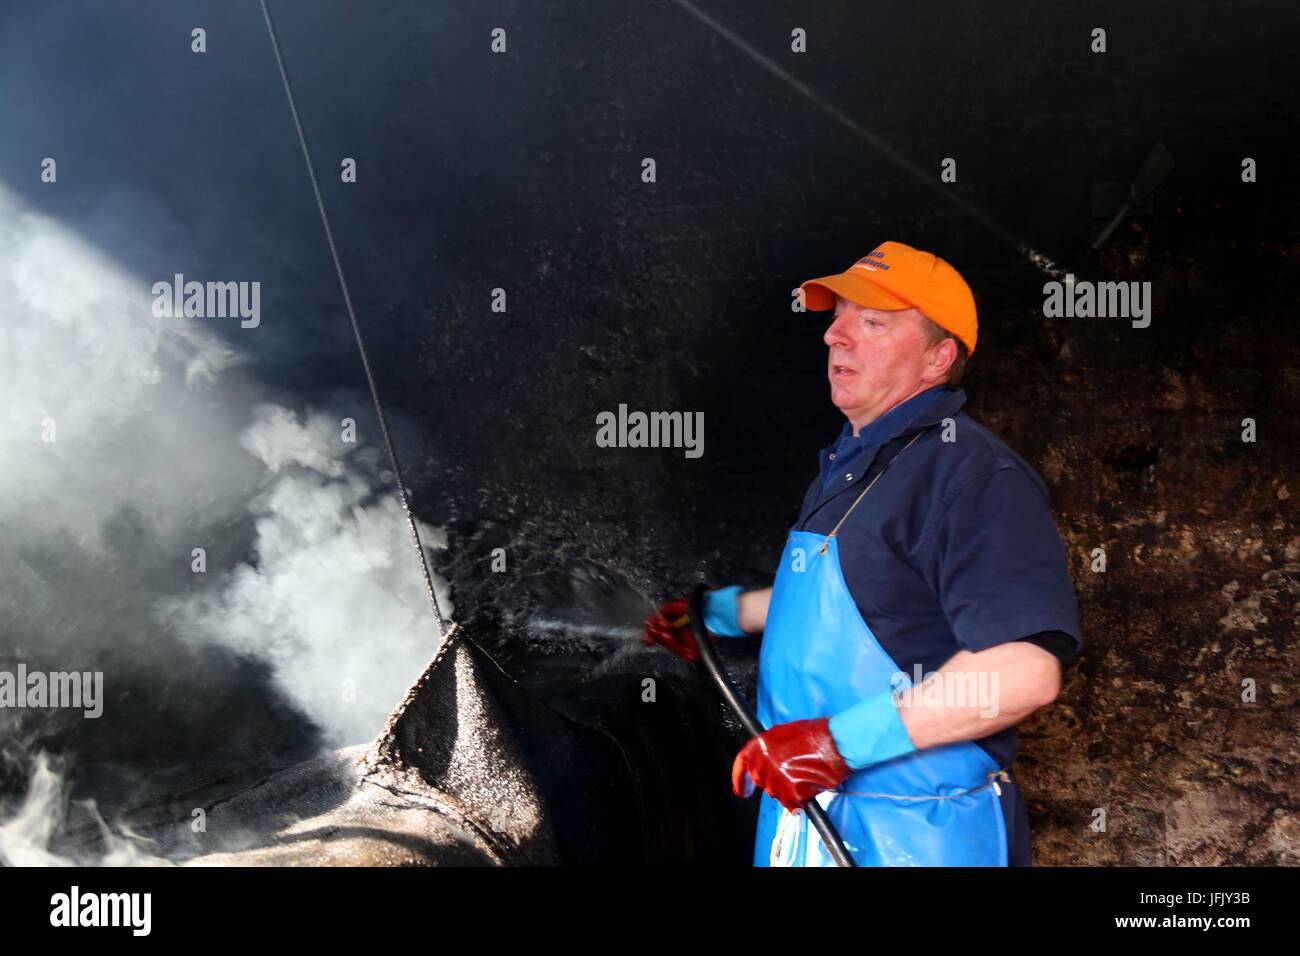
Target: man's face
(877, 359)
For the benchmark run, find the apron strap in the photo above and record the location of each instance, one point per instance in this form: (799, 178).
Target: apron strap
(845, 517)
(992, 778)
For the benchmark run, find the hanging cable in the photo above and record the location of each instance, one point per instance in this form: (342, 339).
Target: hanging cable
(402, 491)
(1036, 258)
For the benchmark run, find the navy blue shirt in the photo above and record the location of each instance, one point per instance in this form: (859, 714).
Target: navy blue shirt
(955, 548)
(856, 451)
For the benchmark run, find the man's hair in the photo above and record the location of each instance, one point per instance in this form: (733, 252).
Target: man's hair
(934, 334)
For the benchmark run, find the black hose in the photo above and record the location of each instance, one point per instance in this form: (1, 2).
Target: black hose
(736, 701)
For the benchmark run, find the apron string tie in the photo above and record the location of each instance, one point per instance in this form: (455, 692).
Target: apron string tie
(993, 779)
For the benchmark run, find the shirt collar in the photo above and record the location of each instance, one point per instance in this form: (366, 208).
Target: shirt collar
(922, 409)
(946, 403)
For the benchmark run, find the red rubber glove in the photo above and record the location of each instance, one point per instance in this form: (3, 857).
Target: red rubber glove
(793, 762)
(670, 627)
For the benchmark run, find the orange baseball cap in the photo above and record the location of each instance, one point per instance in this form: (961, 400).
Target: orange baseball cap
(895, 276)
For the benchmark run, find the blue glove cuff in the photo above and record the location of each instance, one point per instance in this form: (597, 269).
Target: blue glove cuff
(722, 612)
(871, 731)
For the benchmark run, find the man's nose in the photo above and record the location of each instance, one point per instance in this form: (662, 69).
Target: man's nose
(837, 333)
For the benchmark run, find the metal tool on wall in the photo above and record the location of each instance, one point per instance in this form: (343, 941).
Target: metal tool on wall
(1153, 172)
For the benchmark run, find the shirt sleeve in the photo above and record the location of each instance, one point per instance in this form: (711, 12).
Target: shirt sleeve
(995, 559)
(1065, 647)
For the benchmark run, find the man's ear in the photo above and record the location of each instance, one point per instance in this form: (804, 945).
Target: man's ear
(941, 357)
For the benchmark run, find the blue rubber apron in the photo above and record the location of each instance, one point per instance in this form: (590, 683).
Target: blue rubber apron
(935, 807)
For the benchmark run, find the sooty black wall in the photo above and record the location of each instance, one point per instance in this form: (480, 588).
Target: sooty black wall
(523, 171)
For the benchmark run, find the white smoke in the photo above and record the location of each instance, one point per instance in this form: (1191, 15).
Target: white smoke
(334, 599)
(129, 440)
(26, 836)
(102, 405)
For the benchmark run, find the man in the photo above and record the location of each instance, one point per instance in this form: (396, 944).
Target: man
(922, 607)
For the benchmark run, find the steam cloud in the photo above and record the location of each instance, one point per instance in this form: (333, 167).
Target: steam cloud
(332, 600)
(161, 444)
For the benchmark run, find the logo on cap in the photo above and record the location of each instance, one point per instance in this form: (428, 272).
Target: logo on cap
(866, 261)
